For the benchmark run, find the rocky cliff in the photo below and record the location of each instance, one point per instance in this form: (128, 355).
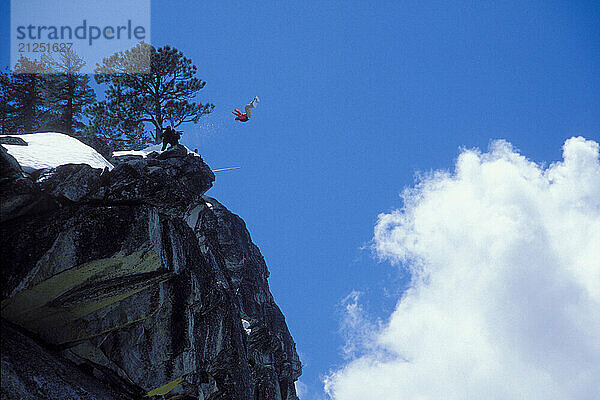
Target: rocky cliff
(130, 283)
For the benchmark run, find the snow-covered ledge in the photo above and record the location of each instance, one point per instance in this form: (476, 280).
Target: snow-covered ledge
(51, 149)
(146, 151)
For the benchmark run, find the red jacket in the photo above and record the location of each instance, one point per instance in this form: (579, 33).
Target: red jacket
(239, 116)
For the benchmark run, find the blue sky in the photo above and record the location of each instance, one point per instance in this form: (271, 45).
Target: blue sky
(357, 97)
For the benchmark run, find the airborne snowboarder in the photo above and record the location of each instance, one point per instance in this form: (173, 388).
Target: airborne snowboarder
(248, 108)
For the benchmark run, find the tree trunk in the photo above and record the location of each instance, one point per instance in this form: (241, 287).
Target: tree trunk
(158, 137)
(68, 119)
(29, 106)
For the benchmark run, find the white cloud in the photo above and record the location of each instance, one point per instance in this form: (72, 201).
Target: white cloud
(356, 328)
(504, 303)
(301, 389)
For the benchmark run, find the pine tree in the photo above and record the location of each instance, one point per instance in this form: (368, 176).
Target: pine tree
(119, 131)
(24, 96)
(6, 108)
(68, 92)
(148, 86)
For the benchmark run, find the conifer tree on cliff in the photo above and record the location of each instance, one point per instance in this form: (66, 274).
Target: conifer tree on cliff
(6, 107)
(24, 97)
(69, 92)
(143, 93)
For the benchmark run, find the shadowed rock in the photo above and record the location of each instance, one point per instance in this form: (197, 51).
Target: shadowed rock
(14, 140)
(18, 193)
(30, 370)
(72, 182)
(146, 284)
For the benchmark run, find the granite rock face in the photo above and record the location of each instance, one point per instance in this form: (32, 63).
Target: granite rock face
(18, 193)
(142, 284)
(33, 371)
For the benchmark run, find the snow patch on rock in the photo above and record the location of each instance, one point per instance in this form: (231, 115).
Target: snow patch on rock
(52, 149)
(246, 325)
(144, 152)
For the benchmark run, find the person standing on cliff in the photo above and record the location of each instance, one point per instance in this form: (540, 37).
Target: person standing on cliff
(170, 137)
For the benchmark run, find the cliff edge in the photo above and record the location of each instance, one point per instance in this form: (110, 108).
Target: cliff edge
(128, 282)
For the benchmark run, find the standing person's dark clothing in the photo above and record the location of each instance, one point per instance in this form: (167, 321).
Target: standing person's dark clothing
(170, 137)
